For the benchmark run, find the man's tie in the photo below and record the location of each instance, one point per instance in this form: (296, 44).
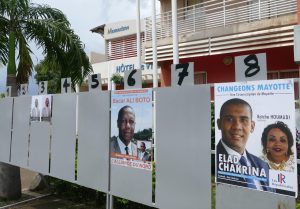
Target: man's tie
(126, 149)
(249, 181)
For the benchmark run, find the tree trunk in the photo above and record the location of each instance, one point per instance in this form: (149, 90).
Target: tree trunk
(10, 182)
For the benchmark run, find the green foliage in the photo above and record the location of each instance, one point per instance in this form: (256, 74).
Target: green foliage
(2, 95)
(145, 134)
(117, 78)
(46, 73)
(22, 22)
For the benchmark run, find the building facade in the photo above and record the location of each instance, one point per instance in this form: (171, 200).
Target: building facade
(121, 51)
(211, 34)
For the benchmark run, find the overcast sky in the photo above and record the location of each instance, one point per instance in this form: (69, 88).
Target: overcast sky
(87, 14)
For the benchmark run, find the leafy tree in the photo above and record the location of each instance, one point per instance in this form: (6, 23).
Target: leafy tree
(22, 22)
(44, 72)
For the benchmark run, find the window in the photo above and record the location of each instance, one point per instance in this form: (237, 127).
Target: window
(283, 74)
(200, 77)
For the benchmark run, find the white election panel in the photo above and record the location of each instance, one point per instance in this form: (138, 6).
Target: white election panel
(131, 183)
(183, 163)
(233, 197)
(20, 134)
(6, 105)
(39, 147)
(93, 143)
(62, 164)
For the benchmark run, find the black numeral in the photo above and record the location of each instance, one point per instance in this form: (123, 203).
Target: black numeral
(253, 68)
(131, 80)
(66, 85)
(23, 90)
(183, 73)
(95, 82)
(42, 87)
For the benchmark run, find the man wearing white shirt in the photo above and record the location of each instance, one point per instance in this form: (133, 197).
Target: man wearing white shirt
(235, 165)
(35, 112)
(124, 144)
(46, 111)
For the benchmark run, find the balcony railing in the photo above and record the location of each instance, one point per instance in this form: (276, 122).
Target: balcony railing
(216, 13)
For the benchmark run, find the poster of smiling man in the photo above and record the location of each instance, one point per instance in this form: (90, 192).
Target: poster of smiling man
(131, 128)
(255, 135)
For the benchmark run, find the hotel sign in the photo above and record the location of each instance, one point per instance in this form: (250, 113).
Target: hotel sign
(121, 29)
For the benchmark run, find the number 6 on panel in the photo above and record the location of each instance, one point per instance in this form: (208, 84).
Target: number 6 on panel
(66, 85)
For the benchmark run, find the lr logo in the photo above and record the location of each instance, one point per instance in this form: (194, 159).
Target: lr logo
(281, 178)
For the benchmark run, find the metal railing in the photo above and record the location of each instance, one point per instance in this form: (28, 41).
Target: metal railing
(218, 13)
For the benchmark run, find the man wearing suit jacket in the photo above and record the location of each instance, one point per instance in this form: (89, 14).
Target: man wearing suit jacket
(123, 145)
(235, 165)
(142, 154)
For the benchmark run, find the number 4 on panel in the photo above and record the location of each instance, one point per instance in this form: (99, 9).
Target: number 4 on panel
(66, 85)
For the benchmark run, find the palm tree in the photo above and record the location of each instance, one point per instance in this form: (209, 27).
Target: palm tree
(22, 22)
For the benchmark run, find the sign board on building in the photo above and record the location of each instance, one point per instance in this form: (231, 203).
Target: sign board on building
(121, 29)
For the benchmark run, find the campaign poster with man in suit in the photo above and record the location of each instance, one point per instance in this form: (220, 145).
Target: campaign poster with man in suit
(131, 128)
(255, 135)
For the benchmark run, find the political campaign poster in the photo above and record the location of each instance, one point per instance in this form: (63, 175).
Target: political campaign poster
(298, 132)
(131, 128)
(41, 107)
(255, 135)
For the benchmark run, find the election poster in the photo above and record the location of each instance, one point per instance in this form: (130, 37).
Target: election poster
(41, 107)
(131, 128)
(255, 135)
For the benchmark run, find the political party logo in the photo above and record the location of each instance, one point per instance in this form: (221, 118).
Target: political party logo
(281, 178)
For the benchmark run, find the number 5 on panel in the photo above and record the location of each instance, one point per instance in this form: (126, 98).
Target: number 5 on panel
(24, 89)
(95, 82)
(66, 85)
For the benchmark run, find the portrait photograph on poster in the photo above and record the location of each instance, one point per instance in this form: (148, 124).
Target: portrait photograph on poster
(41, 107)
(255, 135)
(131, 128)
